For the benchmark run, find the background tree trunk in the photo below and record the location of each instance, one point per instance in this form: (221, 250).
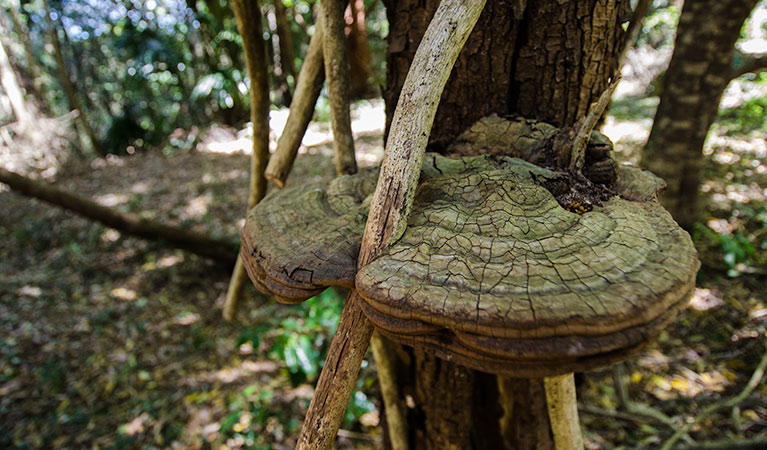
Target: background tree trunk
(548, 61)
(287, 56)
(32, 69)
(248, 17)
(68, 86)
(277, 56)
(12, 89)
(696, 77)
(337, 84)
(358, 50)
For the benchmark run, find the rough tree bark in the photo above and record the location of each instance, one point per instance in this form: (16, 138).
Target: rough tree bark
(248, 16)
(547, 60)
(697, 75)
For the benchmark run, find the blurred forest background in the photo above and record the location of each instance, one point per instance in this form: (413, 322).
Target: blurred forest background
(113, 341)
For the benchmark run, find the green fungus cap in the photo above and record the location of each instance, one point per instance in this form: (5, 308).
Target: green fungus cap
(494, 274)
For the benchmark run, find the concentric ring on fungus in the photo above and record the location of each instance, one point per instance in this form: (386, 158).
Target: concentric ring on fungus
(493, 274)
(301, 240)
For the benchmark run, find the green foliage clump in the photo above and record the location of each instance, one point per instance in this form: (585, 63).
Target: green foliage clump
(745, 248)
(301, 342)
(745, 118)
(659, 25)
(302, 339)
(144, 69)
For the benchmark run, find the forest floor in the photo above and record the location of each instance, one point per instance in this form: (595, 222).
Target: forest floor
(108, 341)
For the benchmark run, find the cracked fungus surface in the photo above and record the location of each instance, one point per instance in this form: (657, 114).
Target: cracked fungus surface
(492, 272)
(491, 268)
(298, 241)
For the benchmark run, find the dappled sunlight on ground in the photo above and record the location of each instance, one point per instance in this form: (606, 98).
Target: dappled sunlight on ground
(111, 200)
(116, 341)
(108, 340)
(704, 299)
(368, 121)
(224, 140)
(197, 207)
(241, 372)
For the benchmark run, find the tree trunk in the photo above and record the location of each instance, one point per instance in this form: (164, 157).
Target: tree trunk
(218, 249)
(287, 57)
(696, 77)
(276, 58)
(547, 60)
(390, 204)
(337, 81)
(525, 422)
(68, 86)
(358, 50)
(11, 87)
(32, 67)
(248, 17)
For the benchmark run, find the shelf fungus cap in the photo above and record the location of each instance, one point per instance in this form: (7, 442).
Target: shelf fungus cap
(531, 140)
(494, 274)
(298, 241)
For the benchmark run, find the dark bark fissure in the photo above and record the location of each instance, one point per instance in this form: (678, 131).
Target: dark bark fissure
(524, 423)
(549, 64)
(547, 61)
(480, 77)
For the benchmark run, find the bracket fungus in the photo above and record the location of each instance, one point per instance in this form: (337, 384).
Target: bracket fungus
(504, 266)
(493, 271)
(299, 241)
(494, 274)
(532, 141)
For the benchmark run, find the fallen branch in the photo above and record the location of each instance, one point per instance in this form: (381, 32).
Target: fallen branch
(756, 378)
(615, 414)
(221, 250)
(355, 435)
